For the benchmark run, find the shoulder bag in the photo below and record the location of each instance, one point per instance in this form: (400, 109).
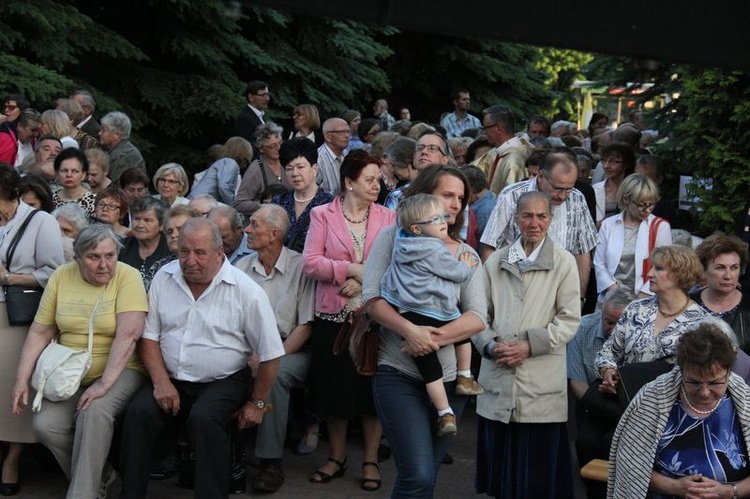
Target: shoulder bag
(60, 369)
(21, 302)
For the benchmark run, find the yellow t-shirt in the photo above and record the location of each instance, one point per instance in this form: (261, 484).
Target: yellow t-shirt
(68, 301)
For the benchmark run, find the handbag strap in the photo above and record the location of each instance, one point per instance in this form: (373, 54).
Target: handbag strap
(16, 238)
(91, 319)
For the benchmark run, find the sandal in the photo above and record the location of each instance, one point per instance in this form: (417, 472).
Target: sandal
(377, 482)
(323, 477)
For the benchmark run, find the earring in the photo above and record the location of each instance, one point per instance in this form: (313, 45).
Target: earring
(351, 188)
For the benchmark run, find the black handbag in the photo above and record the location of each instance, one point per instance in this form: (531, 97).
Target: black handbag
(21, 302)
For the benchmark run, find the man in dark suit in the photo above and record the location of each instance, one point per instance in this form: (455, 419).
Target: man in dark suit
(88, 125)
(251, 116)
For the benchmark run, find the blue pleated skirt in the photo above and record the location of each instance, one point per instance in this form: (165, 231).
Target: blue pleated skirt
(523, 460)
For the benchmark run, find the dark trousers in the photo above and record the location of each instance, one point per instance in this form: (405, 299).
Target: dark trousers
(207, 409)
(429, 365)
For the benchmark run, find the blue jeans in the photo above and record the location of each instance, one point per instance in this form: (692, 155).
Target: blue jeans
(408, 420)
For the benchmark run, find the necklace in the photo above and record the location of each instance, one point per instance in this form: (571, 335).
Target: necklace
(667, 316)
(697, 411)
(355, 222)
(306, 200)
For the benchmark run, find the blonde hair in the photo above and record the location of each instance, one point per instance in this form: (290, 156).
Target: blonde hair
(414, 209)
(99, 157)
(681, 262)
(310, 112)
(637, 188)
(58, 122)
(178, 171)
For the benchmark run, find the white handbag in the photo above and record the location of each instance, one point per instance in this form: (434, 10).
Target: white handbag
(60, 369)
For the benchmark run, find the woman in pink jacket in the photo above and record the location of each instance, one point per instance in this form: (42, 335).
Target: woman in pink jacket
(338, 243)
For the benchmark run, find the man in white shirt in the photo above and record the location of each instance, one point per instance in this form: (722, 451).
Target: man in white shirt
(205, 319)
(278, 270)
(331, 154)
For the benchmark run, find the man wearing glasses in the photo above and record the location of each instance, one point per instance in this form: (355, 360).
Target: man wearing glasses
(572, 226)
(331, 154)
(505, 164)
(251, 116)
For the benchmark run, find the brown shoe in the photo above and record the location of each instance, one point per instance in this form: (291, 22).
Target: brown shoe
(447, 425)
(270, 479)
(468, 386)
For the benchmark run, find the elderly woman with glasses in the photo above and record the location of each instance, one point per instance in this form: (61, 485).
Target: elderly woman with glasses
(171, 183)
(265, 171)
(627, 239)
(686, 434)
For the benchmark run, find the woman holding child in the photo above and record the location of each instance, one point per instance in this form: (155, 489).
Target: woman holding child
(534, 309)
(339, 241)
(404, 406)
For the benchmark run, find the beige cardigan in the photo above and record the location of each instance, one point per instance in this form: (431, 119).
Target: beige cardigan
(541, 305)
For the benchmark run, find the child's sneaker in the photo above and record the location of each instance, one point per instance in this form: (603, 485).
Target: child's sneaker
(447, 425)
(466, 385)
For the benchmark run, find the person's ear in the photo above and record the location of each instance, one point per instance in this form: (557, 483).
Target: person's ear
(415, 229)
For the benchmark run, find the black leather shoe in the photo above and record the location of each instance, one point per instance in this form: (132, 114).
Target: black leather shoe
(9, 489)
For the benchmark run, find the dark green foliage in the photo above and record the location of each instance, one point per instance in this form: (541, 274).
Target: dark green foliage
(563, 68)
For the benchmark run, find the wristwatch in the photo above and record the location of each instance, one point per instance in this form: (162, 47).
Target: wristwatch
(262, 405)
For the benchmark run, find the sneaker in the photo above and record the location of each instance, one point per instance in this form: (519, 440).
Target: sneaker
(108, 478)
(447, 425)
(270, 479)
(466, 385)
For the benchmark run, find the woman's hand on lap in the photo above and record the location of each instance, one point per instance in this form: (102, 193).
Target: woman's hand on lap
(93, 392)
(19, 397)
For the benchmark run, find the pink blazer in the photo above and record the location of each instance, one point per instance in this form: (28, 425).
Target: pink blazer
(329, 250)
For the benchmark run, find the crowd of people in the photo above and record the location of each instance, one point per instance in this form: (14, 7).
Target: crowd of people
(511, 265)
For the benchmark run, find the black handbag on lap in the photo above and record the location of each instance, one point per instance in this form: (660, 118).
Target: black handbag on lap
(22, 302)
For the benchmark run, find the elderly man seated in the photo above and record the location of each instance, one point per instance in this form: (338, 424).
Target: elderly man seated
(278, 270)
(205, 318)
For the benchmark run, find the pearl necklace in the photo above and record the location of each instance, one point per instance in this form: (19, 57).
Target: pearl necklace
(306, 200)
(697, 411)
(355, 222)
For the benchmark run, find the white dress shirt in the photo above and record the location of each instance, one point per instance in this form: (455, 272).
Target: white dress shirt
(212, 337)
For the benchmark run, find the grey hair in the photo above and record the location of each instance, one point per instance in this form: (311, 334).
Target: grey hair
(90, 237)
(722, 326)
(400, 152)
(118, 123)
(235, 218)
(147, 203)
(206, 197)
(198, 222)
(88, 99)
(619, 298)
(178, 171)
(275, 217)
(529, 196)
(265, 132)
(73, 213)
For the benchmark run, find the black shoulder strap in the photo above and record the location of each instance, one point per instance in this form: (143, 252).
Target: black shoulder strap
(265, 175)
(16, 238)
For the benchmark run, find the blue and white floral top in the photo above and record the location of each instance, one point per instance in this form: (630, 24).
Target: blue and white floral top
(633, 339)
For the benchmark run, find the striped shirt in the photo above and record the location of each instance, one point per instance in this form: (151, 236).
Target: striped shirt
(572, 226)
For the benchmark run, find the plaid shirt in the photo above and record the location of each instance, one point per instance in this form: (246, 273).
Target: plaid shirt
(454, 127)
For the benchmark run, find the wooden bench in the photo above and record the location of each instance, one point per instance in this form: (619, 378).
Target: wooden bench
(596, 469)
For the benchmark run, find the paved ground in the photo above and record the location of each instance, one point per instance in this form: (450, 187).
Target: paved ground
(454, 481)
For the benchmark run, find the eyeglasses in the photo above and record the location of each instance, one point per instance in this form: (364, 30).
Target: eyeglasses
(10, 106)
(169, 181)
(436, 220)
(561, 190)
(263, 94)
(714, 386)
(430, 148)
(487, 127)
(644, 206)
(107, 206)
